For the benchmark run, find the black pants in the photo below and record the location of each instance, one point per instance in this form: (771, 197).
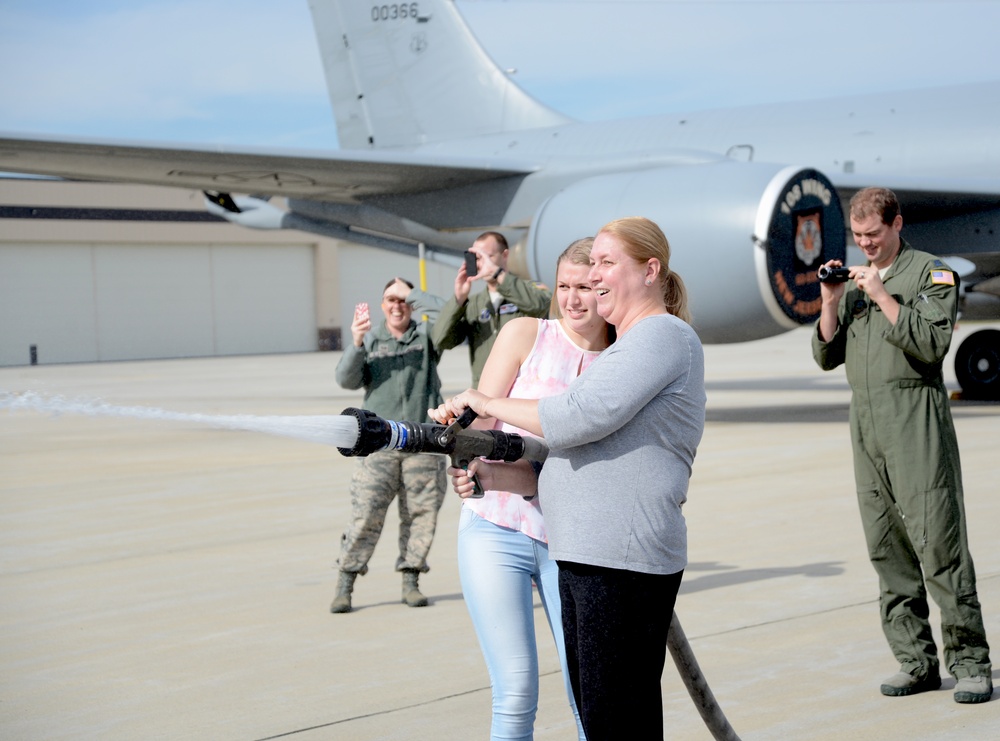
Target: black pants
(615, 624)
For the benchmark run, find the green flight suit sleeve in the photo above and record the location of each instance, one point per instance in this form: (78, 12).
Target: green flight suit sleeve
(429, 305)
(830, 355)
(451, 327)
(425, 303)
(350, 373)
(528, 297)
(926, 321)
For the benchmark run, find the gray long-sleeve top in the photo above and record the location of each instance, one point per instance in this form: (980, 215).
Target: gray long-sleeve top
(622, 442)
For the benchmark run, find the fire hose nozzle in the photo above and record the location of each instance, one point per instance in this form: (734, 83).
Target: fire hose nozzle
(462, 422)
(460, 444)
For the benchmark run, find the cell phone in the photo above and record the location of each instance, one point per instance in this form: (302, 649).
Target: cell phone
(471, 266)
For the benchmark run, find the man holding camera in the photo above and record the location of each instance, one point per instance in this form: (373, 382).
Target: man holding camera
(478, 318)
(891, 326)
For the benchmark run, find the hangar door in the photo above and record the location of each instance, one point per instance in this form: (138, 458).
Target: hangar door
(93, 302)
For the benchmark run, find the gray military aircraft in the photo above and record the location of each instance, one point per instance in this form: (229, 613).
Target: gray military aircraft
(438, 144)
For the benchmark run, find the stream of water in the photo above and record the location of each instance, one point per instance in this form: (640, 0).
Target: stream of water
(337, 430)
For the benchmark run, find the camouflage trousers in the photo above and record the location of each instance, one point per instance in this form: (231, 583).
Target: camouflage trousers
(417, 482)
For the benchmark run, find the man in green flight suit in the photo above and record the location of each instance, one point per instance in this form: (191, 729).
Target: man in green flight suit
(478, 318)
(891, 326)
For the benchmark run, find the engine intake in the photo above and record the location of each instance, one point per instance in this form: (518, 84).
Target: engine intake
(747, 238)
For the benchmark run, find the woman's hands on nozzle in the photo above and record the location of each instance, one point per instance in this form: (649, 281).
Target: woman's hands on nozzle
(452, 408)
(461, 479)
(517, 477)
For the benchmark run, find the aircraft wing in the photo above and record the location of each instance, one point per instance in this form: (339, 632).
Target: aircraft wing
(336, 176)
(930, 197)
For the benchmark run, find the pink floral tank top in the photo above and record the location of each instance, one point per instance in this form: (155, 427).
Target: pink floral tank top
(554, 361)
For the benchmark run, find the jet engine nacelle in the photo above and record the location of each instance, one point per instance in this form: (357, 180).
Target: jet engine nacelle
(746, 238)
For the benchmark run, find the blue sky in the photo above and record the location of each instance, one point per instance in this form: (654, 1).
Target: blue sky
(248, 72)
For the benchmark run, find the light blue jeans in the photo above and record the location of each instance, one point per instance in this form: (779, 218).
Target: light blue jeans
(497, 566)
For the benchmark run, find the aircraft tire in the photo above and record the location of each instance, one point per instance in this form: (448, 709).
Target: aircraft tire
(977, 365)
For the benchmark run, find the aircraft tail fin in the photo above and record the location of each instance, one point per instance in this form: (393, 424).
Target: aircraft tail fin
(407, 74)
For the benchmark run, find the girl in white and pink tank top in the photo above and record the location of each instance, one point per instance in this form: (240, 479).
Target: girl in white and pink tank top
(555, 360)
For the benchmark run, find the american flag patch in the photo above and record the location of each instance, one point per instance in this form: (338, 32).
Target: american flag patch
(943, 277)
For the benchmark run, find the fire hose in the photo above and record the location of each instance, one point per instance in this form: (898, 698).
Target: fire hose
(462, 446)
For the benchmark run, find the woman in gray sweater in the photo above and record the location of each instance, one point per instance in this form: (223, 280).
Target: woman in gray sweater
(622, 442)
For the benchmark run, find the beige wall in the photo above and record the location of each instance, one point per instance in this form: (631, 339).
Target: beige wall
(50, 260)
(365, 271)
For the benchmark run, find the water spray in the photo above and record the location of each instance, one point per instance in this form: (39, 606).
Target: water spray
(326, 429)
(460, 444)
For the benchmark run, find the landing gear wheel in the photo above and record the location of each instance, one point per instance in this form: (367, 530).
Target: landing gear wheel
(977, 365)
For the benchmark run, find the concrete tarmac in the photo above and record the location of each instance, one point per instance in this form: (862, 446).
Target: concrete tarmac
(169, 580)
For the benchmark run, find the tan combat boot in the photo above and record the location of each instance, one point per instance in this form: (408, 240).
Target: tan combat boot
(411, 593)
(345, 585)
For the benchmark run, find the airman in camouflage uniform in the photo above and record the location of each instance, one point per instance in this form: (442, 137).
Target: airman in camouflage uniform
(396, 363)
(420, 480)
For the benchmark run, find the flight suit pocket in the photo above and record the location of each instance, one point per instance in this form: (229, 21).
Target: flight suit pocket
(942, 541)
(877, 521)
